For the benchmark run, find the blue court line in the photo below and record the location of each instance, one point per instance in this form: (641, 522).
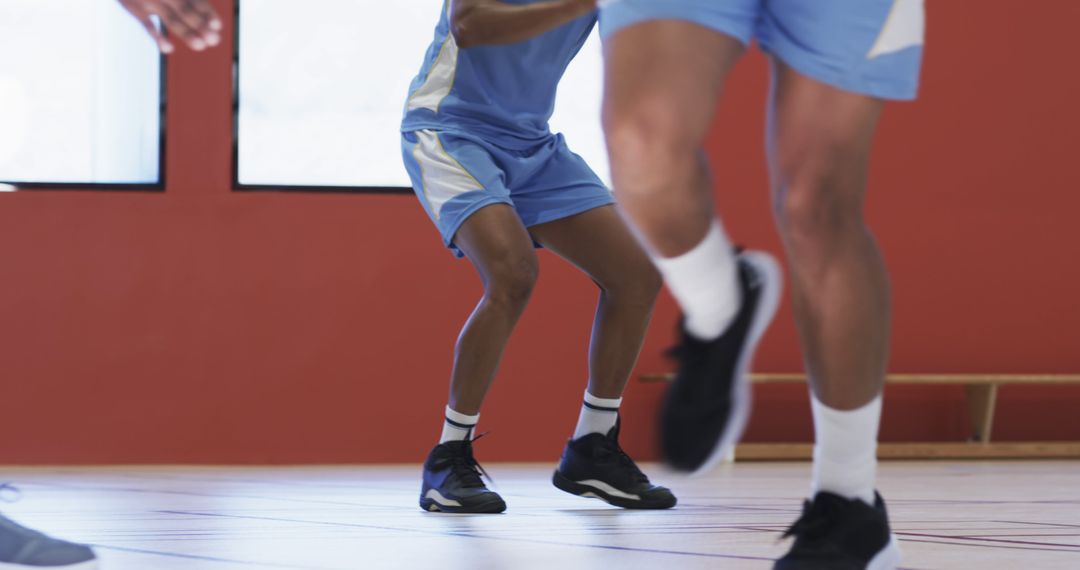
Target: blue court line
(228, 495)
(262, 482)
(467, 534)
(204, 558)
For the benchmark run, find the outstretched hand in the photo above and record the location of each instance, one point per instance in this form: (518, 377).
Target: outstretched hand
(194, 22)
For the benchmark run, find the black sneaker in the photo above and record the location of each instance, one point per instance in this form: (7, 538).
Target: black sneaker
(835, 533)
(595, 466)
(21, 547)
(452, 482)
(707, 406)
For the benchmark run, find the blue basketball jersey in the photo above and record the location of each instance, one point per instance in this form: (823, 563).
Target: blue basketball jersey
(504, 94)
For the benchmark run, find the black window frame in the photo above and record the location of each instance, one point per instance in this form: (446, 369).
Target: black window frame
(151, 187)
(237, 186)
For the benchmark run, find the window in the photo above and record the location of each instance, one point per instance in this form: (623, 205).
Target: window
(321, 92)
(80, 95)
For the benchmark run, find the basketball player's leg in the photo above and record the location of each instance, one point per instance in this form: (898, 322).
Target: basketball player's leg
(665, 69)
(599, 243)
(663, 79)
(461, 186)
(819, 150)
(820, 132)
(501, 250)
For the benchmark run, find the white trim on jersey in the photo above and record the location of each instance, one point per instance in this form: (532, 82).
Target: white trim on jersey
(440, 78)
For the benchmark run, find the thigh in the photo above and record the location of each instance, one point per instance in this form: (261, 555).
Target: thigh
(666, 75)
(598, 242)
(453, 177)
(735, 18)
(818, 134)
(868, 47)
(494, 240)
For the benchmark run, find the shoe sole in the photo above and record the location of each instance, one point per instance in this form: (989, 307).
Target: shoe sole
(489, 507)
(564, 483)
(772, 284)
(888, 558)
(87, 565)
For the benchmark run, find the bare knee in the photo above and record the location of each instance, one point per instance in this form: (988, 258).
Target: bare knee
(637, 286)
(809, 215)
(818, 189)
(647, 139)
(510, 280)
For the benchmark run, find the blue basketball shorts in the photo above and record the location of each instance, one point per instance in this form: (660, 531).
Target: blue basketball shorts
(455, 175)
(868, 47)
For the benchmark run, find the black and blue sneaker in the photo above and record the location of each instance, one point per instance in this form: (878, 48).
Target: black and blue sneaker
(453, 483)
(595, 466)
(24, 549)
(835, 533)
(708, 405)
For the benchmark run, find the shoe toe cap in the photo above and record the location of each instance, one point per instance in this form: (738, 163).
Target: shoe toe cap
(659, 497)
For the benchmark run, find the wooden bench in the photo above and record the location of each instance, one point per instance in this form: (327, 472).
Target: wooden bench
(982, 392)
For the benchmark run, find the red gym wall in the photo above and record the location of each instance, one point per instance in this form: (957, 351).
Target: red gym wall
(207, 325)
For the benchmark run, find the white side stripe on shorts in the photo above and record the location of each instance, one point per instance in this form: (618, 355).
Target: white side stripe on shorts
(905, 27)
(443, 177)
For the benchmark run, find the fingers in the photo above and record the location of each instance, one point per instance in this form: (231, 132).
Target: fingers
(178, 27)
(159, 38)
(206, 10)
(193, 21)
(200, 16)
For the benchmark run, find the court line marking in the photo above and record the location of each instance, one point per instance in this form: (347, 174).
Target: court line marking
(998, 546)
(205, 558)
(473, 534)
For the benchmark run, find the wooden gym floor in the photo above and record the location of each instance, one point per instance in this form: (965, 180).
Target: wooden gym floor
(988, 515)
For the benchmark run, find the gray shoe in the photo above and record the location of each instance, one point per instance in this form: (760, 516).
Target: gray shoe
(22, 548)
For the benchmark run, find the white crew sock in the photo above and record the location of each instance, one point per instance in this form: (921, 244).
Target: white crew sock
(845, 451)
(704, 281)
(598, 415)
(458, 426)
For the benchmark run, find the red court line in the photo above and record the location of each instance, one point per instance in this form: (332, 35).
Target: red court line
(998, 546)
(1059, 547)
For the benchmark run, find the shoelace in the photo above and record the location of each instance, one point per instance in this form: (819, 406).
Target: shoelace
(814, 522)
(612, 451)
(468, 468)
(626, 462)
